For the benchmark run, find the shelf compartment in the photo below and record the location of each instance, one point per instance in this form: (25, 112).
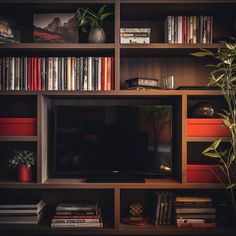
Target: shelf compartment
(7, 149)
(173, 230)
(164, 49)
(18, 138)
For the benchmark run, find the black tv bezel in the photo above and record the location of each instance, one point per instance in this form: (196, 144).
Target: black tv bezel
(112, 176)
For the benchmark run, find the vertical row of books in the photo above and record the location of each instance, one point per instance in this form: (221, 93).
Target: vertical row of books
(163, 208)
(78, 214)
(188, 29)
(21, 212)
(57, 73)
(195, 212)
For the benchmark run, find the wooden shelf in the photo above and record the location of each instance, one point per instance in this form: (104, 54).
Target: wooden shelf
(18, 138)
(173, 230)
(207, 139)
(164, 49)
(82, 184)
(74, 48)
(160, 92)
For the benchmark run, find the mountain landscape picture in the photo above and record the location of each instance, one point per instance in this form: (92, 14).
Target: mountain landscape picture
(55, 28)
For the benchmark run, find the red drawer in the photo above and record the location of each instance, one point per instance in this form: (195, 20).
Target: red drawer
(204, 174)
(18, 127)
(206, 127)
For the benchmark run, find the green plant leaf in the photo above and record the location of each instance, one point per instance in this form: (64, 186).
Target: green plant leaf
(216, 144)
(105, 15)
(101, 10)
(212, 154)
(226, 123)
(201, 54)
(230, 186)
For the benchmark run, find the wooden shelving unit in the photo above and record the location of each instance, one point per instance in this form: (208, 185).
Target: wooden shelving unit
(155, 60)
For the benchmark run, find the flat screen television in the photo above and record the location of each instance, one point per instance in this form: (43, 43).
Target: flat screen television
(128, 139)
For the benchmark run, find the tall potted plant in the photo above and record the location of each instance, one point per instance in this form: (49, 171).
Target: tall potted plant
(24, 160)
(223, 75)
(90, 21)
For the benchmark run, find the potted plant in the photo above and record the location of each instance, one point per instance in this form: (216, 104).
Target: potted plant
(89, 20)
(24, 160)
(224, 76)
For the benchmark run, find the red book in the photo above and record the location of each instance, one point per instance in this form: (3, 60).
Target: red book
(112, 73)
(109, 73)
(39, 73)
(105, 73)
(35, 85)
(102, 73)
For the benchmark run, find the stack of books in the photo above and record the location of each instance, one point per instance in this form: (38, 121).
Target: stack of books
(189, 29)
(195, 212)
(141, 83)
(21, 212)
(79, 214)
(163, 208)
(135, 35)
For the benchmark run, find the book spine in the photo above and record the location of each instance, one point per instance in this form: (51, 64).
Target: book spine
(135, 40)
(78, 73)
(39, 72)
(81, 73)
(180, 29)
(196, 225)
(76, 220)
(50, 73)
(17, 73)
(77, 225)
(68, 73)
(85, 73)
(11, 81)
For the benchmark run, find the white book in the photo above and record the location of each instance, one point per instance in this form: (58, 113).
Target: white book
(50, 73)
(55, 73)
(90, 73)
(68, 73)
(135, 30)
(172, 29)
(85, 77)
(100, 73)
(180, 28)
(168, 29)
(11, 73)
(135, 40)
(17, 73)
(73, 73)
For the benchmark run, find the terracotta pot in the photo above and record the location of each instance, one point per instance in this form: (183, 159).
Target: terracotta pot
(97, 36)
(24, 173)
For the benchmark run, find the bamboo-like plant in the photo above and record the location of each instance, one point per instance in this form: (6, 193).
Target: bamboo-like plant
(224, 76)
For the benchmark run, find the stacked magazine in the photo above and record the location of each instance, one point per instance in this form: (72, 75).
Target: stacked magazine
(21, 212)
(78, 214)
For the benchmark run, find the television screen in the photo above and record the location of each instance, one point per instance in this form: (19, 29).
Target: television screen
(107, 140)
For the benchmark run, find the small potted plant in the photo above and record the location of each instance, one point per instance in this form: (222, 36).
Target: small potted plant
(88, 20)
(24, 160)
